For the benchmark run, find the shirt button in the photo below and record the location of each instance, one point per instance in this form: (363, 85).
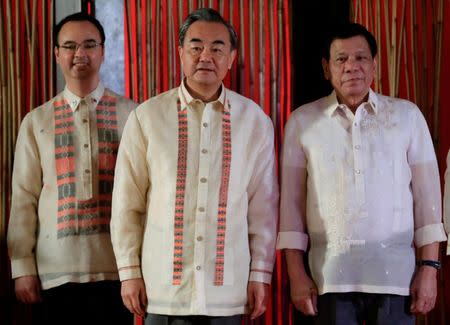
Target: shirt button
(87, 171)
(204, 151)
(355, 124)
(201, 209)
(86, 145)
(358, 171)
(205, 124)
(85, 120)
(198, 267)
(199, 238)
(357, 147)
(203, 180)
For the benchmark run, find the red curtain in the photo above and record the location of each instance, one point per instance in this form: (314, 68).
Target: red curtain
(261, 72)
(27, 80)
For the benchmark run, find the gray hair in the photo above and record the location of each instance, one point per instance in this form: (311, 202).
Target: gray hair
(208, 15)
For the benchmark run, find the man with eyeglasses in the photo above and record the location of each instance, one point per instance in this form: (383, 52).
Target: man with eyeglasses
(195, 196)
(59, 237)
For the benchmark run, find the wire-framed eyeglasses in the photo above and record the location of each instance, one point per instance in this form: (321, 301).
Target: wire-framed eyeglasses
(86, 46)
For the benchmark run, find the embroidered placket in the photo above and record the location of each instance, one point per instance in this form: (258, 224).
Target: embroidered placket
(180, 195)
(92, 216)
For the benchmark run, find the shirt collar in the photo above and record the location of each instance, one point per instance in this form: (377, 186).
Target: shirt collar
(94, 97)
(333, 104)
(186, 98)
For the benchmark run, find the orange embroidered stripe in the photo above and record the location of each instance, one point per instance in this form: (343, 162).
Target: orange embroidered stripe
(180, 194)
(223, 195)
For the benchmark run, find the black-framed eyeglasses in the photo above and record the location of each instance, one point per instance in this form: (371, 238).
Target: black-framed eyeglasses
(74, 46)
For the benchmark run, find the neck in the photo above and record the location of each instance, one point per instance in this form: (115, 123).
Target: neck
(205, 94)
(82, 87)
(352, 102)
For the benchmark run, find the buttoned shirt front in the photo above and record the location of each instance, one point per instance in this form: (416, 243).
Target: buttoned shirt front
(364, 188)
(39, 241)
(151, 227)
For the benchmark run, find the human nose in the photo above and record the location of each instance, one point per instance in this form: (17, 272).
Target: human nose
(206, 54)
(80, 49)
(351, 64)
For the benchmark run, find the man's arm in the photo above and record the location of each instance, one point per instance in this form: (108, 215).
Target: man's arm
(131, 183)
(262, 223)
(26, 189)
(292, 237)
(423, 287)
(428, 228)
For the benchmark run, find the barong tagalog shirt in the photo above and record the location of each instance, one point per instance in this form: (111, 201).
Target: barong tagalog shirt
(62, 188)
(195, 202)
(363, 188)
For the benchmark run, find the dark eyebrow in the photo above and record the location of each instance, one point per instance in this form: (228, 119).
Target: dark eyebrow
(220, 42)
(192, 40)
(86, 40)
(198, 40)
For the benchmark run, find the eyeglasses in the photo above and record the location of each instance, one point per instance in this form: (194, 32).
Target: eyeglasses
(86, 46)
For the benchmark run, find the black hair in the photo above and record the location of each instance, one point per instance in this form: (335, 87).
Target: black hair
(79, 16)
(345, 31)
(209, 15)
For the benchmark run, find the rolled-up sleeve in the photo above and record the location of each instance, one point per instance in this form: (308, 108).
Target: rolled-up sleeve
(425, 184)
(263, 210)
(292, 232)
(131, 184)
(26, 189)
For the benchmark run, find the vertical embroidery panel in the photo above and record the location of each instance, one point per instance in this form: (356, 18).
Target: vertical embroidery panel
(180, 194)
(223, 196)
(65, 167)
(108, 145)
(90, 216)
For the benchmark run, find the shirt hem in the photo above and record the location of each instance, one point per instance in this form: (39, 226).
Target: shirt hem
(364, 288)
(186, 311)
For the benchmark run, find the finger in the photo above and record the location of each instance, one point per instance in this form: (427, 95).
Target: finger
(251, 299)
(314, 301)
(413, 301)
(420, 306)
(138, 305)
(143, 299)
(259, 307)
(309, 308)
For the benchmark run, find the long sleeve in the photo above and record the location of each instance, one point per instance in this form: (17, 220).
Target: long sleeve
(131, 183)
(262, 211)
(26, 189)
(293, 192)
(425, 186)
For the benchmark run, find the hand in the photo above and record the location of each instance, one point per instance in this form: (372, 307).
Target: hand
(28, 289)
(134, 296)
(423, 290)
(304, 295)
(257, 293)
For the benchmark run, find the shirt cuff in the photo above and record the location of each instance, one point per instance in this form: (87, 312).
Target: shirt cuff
(258, 276)
(129, 268)
(131, 272)
(23, 267)
(292, 240)
(429, 234)
(448, 248)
